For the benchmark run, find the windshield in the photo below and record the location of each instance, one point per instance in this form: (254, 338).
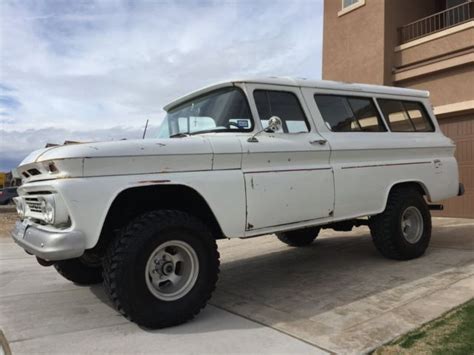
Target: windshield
(224, 110)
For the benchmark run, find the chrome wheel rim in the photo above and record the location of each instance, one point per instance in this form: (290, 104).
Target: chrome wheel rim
(412, 225)
(172, 270)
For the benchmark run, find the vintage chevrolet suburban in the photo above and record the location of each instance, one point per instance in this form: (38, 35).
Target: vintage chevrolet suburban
(238, 159)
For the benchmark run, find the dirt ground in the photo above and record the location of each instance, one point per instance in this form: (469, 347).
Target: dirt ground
(7, 220)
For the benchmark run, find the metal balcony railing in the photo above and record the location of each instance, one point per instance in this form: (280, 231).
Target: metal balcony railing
(437, 22)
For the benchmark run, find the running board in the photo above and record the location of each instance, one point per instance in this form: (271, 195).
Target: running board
(436, 207)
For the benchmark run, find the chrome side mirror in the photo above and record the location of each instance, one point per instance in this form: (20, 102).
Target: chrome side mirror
(274, 124)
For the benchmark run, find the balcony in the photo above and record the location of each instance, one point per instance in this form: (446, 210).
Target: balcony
(438, 22)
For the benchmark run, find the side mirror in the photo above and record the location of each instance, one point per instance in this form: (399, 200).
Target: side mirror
(274, 124)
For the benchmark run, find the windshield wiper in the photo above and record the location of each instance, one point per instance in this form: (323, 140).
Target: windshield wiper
(215, 130)
(179, 135)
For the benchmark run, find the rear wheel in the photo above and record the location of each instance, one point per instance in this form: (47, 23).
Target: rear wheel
(403, 230)
(300, 237)
(162, 269)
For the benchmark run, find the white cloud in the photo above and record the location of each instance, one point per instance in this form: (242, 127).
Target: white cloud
(87, 66)
(16, 145)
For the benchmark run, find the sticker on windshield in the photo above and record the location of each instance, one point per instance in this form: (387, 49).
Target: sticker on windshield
(243, 123)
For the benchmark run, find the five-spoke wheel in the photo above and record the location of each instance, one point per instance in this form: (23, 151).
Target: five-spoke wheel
(172, 270)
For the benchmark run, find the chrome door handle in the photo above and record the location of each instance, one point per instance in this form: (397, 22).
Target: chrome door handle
(318, 141)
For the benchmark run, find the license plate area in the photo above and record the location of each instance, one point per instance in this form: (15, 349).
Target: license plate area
(20, 229)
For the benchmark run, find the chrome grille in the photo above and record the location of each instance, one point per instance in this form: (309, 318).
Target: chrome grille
(33, 204)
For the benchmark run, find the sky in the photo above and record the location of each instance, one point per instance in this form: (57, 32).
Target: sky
(97, 70)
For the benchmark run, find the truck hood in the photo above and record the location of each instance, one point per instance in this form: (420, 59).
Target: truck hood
(119, 157)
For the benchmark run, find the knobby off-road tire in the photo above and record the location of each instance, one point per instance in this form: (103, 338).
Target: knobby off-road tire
(395, 232)
(148, 242)
(80, 271)
(300, 237)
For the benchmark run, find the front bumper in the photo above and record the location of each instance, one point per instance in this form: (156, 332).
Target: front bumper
(49, 245)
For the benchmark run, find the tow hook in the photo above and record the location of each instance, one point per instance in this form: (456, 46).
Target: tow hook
(44, 262)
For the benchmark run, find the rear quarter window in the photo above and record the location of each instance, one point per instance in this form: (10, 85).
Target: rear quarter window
(406, 116)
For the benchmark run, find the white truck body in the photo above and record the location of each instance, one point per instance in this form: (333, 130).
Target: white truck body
(282, 182)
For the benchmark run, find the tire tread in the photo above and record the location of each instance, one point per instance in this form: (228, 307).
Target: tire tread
(381, 225)
(122, 245)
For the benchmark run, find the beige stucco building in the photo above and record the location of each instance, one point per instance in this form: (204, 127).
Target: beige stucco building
(422, 44)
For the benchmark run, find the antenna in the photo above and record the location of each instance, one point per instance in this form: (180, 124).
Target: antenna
(144, 131)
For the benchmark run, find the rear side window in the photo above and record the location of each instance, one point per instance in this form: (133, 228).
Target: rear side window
(405, 116)
(284, 105)
(349, 114)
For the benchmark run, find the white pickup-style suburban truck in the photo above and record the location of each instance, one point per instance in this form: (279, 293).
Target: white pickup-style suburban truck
(238, 159)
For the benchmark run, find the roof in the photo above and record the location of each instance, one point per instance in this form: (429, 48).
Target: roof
(307, 83)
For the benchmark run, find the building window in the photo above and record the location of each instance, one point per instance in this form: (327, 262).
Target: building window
(347, 3)
(349, 114)
(350, 5)
(284, 105)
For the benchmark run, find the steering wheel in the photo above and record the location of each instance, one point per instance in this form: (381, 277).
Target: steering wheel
(230, 123)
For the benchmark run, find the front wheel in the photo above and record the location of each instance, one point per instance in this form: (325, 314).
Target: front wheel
(162, 268)
(403, 230)
(85, 270)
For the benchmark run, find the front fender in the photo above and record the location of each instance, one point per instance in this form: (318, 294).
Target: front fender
(89, 200)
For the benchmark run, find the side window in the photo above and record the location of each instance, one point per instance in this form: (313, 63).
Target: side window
(284, 105)
(405, 116)
(349, 114)
(418, 116)
(397, 117)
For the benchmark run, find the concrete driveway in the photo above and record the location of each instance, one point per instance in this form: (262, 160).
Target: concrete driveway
(339, 295)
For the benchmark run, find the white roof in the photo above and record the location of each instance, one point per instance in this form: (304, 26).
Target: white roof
(308, 83)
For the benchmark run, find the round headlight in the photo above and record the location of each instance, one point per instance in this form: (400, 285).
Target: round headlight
(43, 206)
(49, 214)
(47, 210)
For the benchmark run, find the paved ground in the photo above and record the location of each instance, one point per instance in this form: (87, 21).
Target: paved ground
(338, 295)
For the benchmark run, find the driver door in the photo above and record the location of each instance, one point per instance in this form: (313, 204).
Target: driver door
(287, 174)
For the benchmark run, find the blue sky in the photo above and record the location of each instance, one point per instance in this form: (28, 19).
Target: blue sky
(96, 70)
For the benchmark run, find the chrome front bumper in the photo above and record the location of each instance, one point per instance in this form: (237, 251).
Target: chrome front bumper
(48, 245)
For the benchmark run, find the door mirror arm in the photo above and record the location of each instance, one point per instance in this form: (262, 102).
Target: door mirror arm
(274, 124)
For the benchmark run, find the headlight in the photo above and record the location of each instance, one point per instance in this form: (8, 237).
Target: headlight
(47, 210)
(20, 207)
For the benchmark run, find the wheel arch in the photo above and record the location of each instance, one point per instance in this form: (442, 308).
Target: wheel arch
(415, 184)
(133, 201)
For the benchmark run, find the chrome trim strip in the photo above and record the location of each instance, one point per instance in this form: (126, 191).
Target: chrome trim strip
(383, 165)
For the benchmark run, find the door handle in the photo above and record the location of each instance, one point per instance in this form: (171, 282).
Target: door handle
(319, 141)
